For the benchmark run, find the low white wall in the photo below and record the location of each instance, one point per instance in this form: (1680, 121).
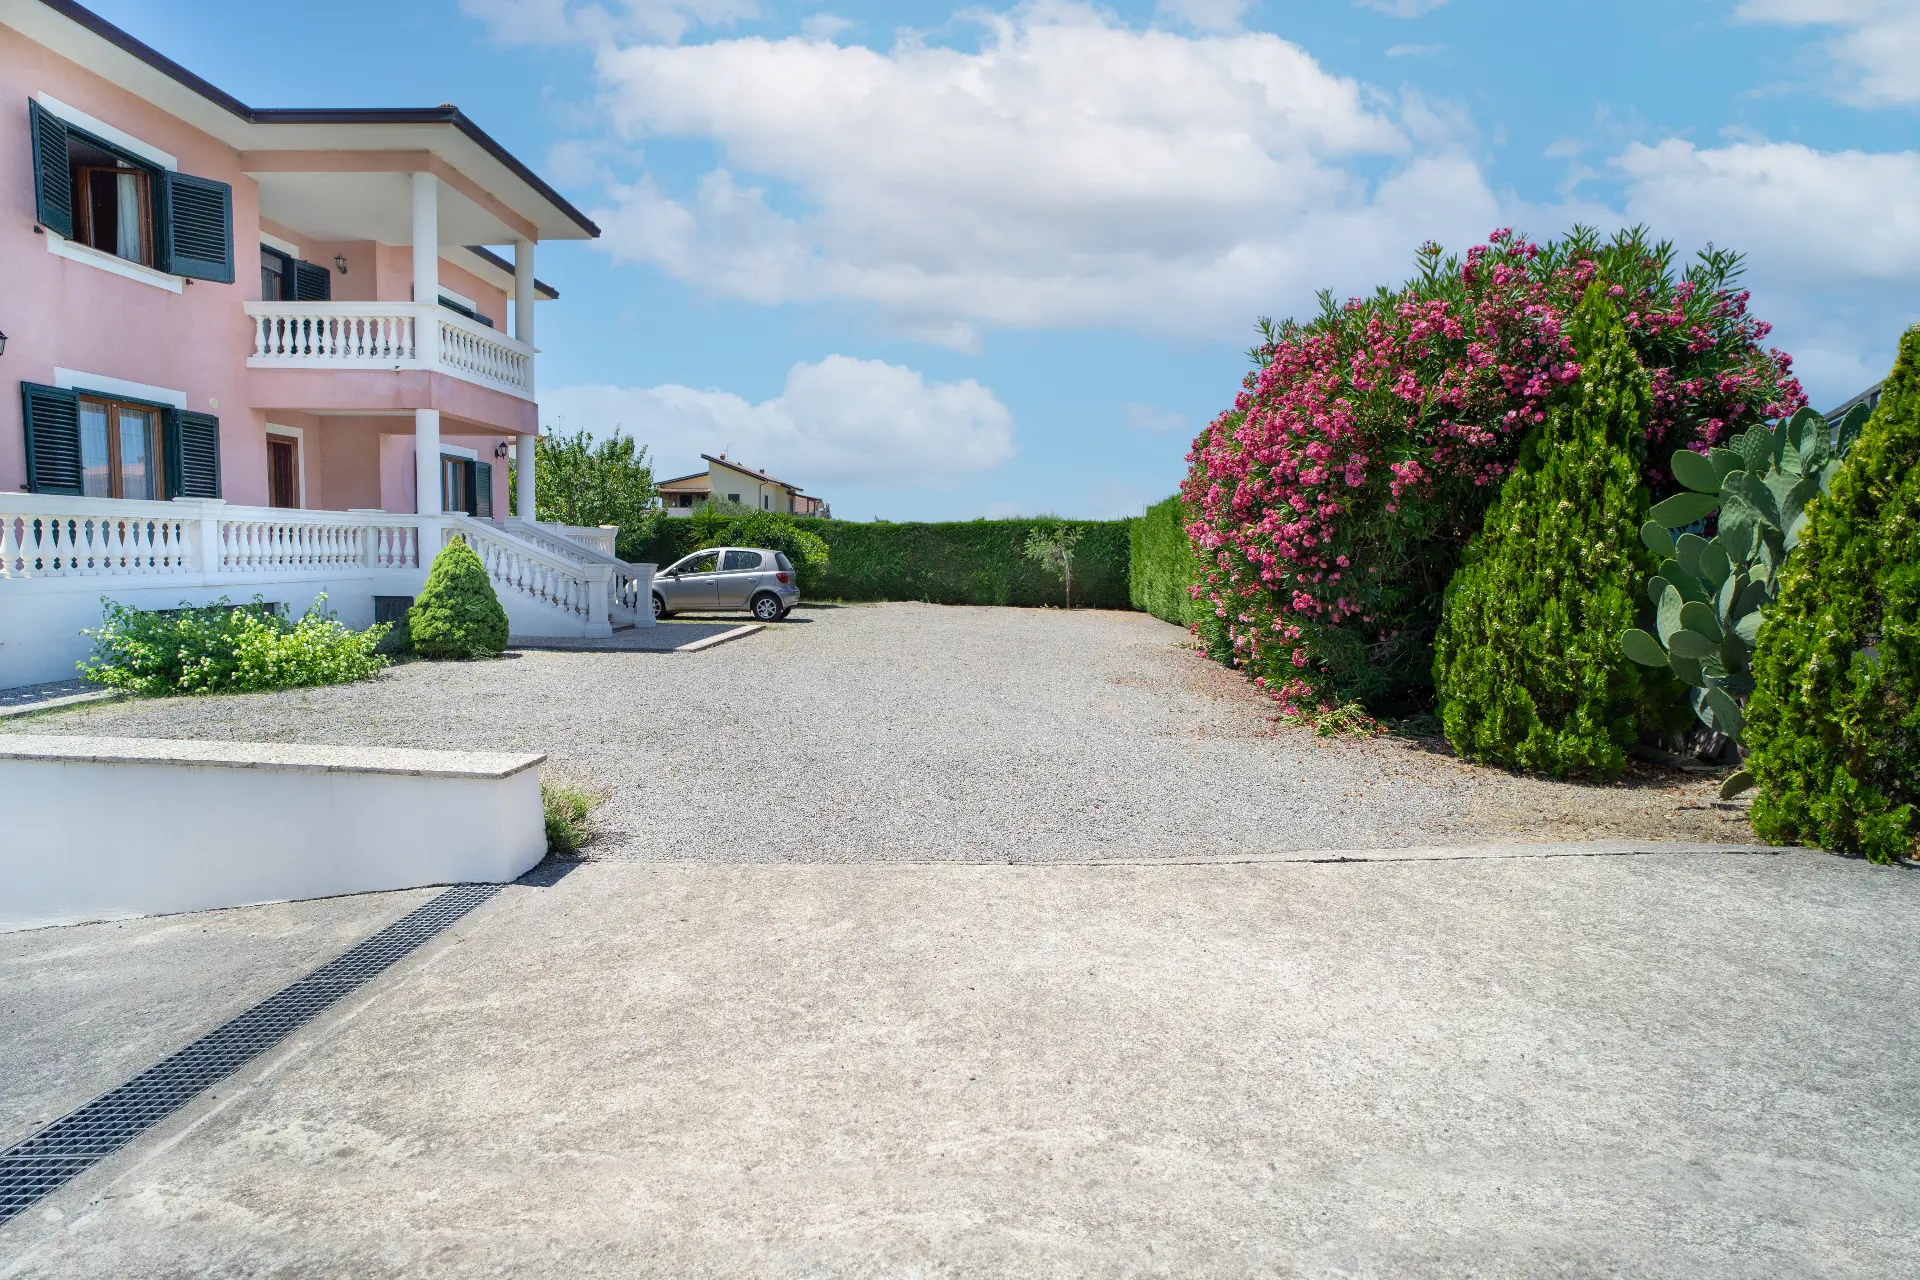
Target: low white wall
(106, 828)
(41, 619)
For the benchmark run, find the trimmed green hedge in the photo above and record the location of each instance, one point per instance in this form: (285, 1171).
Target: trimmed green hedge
(967, 562)
(1162, 565)
(956, 562)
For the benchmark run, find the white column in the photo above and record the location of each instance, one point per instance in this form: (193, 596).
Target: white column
(426, 463)
(523, 300)
(426, 268)
(523, 477)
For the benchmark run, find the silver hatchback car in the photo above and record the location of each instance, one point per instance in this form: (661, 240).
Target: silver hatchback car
(728, 578)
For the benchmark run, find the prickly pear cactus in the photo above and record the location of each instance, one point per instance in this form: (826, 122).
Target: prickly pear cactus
(1711, 593)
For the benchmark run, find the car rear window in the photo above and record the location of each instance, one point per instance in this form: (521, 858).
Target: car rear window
(780, 558)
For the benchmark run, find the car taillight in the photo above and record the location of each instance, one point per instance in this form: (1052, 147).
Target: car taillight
(781, 576)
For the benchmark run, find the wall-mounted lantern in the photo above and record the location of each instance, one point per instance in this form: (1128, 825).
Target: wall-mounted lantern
(3, 344)
(340, 261)
(500, 450)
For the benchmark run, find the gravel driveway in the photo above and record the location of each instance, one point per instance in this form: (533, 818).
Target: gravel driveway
(918, 732)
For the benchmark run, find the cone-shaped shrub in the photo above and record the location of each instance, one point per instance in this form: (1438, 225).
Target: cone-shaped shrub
(1527, 661)
(1834, 721)
(457, 614)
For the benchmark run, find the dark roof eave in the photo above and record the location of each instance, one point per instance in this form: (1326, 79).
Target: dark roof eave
(322, 115)
(749, 471)
(540, 286)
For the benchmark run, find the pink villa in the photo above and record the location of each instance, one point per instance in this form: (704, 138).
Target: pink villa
(256, 352)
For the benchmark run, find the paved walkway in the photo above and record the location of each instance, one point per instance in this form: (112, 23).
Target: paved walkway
(1666, 1064)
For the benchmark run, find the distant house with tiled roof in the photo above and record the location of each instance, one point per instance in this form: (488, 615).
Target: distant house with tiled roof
(732, 482)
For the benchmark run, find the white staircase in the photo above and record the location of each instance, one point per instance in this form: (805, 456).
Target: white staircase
(552, 583)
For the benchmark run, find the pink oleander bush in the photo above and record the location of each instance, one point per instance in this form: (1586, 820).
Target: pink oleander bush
(1333, 501)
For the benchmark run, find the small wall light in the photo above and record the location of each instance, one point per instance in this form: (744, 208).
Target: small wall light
(340, 261)
(499, 450)
(3, 344)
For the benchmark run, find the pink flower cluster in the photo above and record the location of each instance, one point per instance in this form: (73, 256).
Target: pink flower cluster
(1331, 503)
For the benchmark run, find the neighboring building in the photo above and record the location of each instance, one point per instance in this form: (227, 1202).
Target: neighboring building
(1870, 398)
(734, 483)
(260, 352)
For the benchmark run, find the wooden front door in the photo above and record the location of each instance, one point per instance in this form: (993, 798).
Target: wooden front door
(283, 471)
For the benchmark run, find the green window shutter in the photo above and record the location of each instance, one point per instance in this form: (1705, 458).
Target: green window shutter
(52, 179)
(51, 416)
(312, 283)
(192, 449)
(196, 227)
(483, 490)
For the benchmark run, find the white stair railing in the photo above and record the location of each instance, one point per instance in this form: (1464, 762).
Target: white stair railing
(520, 566)
(632, 584)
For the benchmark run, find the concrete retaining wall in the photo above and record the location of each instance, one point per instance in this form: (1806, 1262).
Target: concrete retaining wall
(106, 828)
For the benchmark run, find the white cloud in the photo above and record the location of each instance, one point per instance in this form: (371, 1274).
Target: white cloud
(1151, 418)
(1877, 42)
(1808, 216)
(1832, 241)
(562, 21)
(1204, 15)
(840, 421)
(825, 26)
(1070, 171)
(1401, 8)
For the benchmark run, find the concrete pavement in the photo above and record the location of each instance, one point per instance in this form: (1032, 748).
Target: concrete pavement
(1686, 1064)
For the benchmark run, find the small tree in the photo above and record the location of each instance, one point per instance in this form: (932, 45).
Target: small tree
(578, 480)
(1050, 543)
(1527, 662)
(1834, 723)
(457, 614)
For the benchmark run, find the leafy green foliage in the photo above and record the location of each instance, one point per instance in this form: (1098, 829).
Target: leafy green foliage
(1050, 544)
(457, 614)
(1834, 721)
(226, 648)
(1711, 593)
(1333, 500)
(580, 481)
(769, 531)
(966, 562)
(1527, 661)
(566, 808)
(962, 562)
(1161, 567)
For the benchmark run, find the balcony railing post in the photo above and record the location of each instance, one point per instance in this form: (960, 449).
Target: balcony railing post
(426, 334)
(202, 530)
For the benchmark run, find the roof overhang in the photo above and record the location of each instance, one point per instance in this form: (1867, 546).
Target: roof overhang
(488, 174)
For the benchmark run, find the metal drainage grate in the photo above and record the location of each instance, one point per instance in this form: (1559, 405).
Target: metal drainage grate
(42, 1163)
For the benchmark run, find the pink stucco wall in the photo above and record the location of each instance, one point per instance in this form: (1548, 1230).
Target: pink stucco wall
(63, 314)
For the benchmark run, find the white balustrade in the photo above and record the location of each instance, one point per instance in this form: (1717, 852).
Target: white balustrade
(61, 537)
(593, 537)
(519, 566)
(632, 585)
(388, 335)
(470, 350)
(346, 335)
(283, 542)
(56, 537)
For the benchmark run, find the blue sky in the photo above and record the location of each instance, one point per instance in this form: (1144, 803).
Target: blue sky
(940, 261)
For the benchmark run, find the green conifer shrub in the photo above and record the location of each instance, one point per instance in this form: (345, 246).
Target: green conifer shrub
(457, 614)
(1527, 661)
(1834, 722)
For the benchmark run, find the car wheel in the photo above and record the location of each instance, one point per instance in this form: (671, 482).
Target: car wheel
(659, 607)
(766, 607)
